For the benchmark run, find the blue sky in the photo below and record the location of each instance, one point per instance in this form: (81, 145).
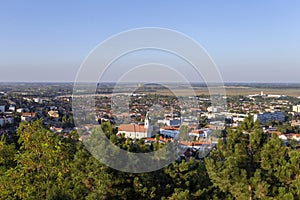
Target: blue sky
(248, 40)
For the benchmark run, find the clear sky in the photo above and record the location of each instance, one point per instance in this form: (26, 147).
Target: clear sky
(249, 41)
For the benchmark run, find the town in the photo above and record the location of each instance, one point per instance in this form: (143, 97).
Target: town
(150, 114)
(43, 139)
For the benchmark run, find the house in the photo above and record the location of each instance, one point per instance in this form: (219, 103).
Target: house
(38, 100)
(169, 131)
(12, 108)
(280, 135)
(170, 121)
(201, 133)
(28, 116)
(296, 108)
(56, 129)
(195, 145)
(161, 140)
(53, 114)
(283, 137)
(236, 117)
(295, 137)
(136, 131)
(295, 123)
(216, 125)
(20, 110)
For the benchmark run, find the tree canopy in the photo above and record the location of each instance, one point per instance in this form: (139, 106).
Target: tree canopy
(248, 164)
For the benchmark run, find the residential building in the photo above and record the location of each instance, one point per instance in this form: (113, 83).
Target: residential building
(171, 121)
(201, 133)
(28, 116)
(20, 110)
(296, 108)
(53, 113)
(169, 131)
(38, 100)
(56, 129)
(12, 108)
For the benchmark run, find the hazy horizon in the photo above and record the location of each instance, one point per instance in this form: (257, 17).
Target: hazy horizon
(249, 41)
(228, 83)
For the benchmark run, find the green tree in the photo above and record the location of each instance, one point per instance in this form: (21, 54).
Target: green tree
(42, 164)
(7, 153)
(7, 162)
(203, 121)
(254, 166)
(248, 125)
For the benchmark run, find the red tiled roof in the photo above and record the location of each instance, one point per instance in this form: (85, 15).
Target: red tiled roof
(165, 139)
(160, 139)
(150, 139)
(28, 114)
(294, 135)
(276, 132)
(132, 128)
(194, 143)
(170, 128)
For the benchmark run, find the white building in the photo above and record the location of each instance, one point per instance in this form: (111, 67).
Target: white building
(201, 133)
(56, 129)
(38, 100)
(213, 109)
(27, 116)
(236, 117)
(283, 137)
(171, 122)
(275, 96)
(136, 131)
(20, 110)
(295, 137)
(296, 108)
(12, 108)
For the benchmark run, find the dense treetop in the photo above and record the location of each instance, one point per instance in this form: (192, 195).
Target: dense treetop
(248, 164)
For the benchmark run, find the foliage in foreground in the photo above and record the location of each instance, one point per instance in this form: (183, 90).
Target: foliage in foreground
(247, 165)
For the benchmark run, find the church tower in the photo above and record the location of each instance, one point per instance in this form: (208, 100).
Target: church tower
(147, 121)
(147, 125)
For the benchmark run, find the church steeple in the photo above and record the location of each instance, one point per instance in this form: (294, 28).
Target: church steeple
(147, 121)
(148, 126)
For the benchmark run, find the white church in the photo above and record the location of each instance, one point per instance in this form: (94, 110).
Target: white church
(136, 131)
